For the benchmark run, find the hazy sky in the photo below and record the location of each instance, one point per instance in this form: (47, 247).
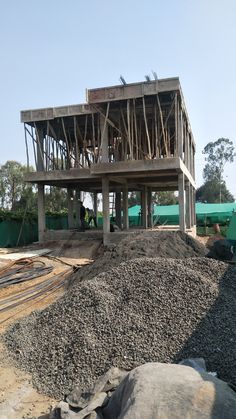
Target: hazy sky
(52, 50)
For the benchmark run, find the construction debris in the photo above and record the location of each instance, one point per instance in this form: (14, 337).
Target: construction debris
(18, 255)
(22, 270)
(152, 390)
(147, 309)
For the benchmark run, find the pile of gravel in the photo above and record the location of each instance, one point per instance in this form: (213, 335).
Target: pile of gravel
(164, 244)
(143, 310)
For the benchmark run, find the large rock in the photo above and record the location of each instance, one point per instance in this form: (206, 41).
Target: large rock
(165, 391)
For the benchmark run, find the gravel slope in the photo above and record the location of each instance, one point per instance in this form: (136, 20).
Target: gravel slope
(146, 309)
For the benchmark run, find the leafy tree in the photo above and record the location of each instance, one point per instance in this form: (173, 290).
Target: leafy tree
(55, 199)
(164, 198)
(209, 192)
(134, 198)
(159, 198)
(218, 154)
(12, 185)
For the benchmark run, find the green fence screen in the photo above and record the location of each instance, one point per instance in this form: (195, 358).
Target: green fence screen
(207, 214)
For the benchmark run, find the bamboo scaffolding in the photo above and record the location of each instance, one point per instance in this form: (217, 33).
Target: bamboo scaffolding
(162, 125)
(146, 127)
(26, 148)
(67, 158)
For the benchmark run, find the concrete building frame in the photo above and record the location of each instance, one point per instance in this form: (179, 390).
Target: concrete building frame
(133, 137)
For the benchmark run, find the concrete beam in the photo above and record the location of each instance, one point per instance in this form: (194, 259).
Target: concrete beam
(132, 90)
(119, 168)
(45, 114)
(187, 174)
(58, 175)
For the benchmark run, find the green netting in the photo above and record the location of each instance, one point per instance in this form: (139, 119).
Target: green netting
(231, 233)
(10, 231)
(205, 213)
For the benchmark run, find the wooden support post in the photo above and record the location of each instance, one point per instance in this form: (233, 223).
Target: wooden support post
(41, 213)
(144, 207)
(70, 203)
(181, 202)
(125, 208)
(118, 209)
(188, 205)
(105, 207)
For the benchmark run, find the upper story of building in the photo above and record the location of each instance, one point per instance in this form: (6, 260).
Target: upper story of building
(144, 121)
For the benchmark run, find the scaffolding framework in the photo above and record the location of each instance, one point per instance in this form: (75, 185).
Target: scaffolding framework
(134, 137)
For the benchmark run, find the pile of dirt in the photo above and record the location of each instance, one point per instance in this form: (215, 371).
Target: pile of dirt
(146, 309)
(164, 244)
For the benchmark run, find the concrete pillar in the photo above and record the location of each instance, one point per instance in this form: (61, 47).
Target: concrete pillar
(193, 201)
(118, 209)
(40, 149)
(180, 132)
(70, 203)
(181, 202)
(149, 205)
(105, 207)
(95, 205)
(77, 206)
(188, 196)
(144, 207)
(125, 208)
(41, 213)
(104, 139)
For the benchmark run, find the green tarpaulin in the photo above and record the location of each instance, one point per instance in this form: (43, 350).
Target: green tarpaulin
(169, 214)
(207, 214)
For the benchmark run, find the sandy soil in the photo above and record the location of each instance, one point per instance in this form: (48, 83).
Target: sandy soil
(18, 398)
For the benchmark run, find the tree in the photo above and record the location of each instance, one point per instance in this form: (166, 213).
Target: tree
(209, 192)
(12, 185)
(56, 199)
(158, 198)
(164, 198)
(218, 154)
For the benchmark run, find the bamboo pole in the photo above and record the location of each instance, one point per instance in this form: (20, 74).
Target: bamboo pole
(26, 148)
(67, 142)
(162, 125)
(146, 127)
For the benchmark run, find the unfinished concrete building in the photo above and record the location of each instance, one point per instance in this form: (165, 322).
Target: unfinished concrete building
(132, 137)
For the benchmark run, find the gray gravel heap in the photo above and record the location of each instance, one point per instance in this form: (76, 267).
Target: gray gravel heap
(165, 244)
(143, 310)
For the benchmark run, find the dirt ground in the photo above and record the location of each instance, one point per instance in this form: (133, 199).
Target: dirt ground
(18, 398)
